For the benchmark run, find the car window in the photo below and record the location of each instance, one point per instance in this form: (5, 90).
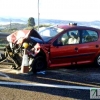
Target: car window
(74, 37)
(70, 37)
(89, 36)
(49, 32)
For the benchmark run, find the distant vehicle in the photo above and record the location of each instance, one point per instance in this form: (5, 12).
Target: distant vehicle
(63, 45)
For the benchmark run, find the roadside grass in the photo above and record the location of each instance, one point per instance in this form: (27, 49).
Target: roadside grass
(3, 42)
(2, 45)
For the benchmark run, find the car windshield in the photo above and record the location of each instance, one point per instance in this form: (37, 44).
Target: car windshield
(49, 32)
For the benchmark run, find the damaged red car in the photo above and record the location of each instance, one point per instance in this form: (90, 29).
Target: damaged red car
(63, 45)
(66, 45)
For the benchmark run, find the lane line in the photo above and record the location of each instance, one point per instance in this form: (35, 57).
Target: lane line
(71, 82)
(5, 75)
(46, 85)
(8, 70)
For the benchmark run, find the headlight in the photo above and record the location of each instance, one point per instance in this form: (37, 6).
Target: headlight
(25, 45)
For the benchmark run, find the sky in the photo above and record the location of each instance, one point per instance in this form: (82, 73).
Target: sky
(76, 10)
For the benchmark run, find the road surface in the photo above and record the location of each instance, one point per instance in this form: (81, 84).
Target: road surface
(59, 84)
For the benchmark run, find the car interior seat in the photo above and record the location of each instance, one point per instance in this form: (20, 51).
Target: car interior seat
(74, 39)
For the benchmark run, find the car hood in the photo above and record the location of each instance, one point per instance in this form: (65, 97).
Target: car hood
(36, 40)
(35, 35)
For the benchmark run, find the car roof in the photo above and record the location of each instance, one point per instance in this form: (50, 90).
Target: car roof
(65, 27)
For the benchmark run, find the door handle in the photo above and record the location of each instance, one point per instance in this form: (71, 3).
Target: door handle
(76, 49)
(97, 46)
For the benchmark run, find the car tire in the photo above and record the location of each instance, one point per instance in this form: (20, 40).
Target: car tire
(97, 61)
(39, 64)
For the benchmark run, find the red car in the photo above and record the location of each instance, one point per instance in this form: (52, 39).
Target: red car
(62, 45)
(66, 45)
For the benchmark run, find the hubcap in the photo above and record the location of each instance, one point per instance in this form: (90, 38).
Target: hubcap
(98, 60)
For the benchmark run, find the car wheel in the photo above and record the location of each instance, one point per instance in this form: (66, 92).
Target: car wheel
(98, 61)
(39, 64)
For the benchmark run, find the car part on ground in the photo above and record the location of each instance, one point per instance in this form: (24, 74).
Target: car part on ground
(12, 55)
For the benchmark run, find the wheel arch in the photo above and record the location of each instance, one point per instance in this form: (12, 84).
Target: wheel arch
(42, 54)
(96, 57)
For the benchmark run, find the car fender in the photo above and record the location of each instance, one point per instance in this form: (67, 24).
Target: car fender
(46, 53)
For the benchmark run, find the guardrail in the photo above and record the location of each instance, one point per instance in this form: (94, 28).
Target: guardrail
(3, 40)
(3, 35)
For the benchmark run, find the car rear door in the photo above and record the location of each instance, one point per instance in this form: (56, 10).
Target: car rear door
(88, 47)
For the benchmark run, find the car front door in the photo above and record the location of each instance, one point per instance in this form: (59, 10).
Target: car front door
(62, 52)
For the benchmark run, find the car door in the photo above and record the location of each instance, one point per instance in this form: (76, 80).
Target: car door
(88, 47)
(62, 53)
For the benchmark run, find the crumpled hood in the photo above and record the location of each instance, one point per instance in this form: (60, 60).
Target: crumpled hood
(19, 36)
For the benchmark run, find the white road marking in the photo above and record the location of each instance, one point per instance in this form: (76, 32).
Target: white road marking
(8, 70)
(5, 69)
(5, 75)
(46, 85)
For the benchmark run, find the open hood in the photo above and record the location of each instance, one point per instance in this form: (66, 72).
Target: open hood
(20, 35)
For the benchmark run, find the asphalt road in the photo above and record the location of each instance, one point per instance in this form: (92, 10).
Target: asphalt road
(56, 84)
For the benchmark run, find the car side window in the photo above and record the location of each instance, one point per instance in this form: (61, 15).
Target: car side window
(89, 36)
(70, 37)
(61, 40)
(50, 32)
(74, 37)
